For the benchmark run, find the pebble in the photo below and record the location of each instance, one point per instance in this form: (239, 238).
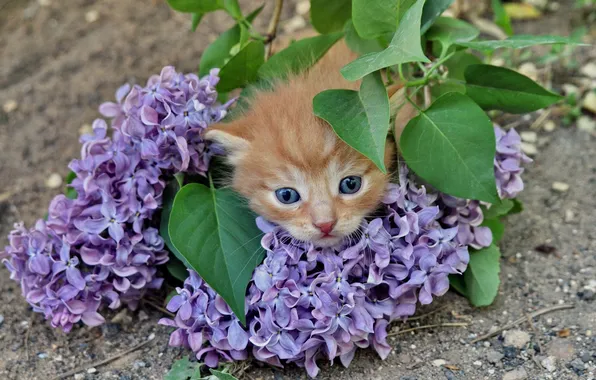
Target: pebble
(529, 149)
(439, 362)
(586, 123)
(122, 317)
(92, 370)
(589, 70)
(529, 69)
(478, 363)
(516, 374)
(142, 316)
(516, 338)
(303, 7)
(79, 376)
(569, 89)
(1, 320)
(139, 364)
(549, 363)
(529, 136)
(587, 295)
(585, 357)
(494, 357)
(561, 349)
(578, 365)
(588, 333)
(44, 3)
(589, 102)
(10, 106)
(42, 355)
(91, 16)
(560, 187)
(569, 216)
(54, 181)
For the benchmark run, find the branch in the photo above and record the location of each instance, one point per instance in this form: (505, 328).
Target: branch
(272, 30)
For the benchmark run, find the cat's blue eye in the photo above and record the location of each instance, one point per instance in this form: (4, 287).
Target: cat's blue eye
(287, 195)
(350, 185)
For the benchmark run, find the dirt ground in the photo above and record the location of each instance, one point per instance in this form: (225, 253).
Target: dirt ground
(60, 59)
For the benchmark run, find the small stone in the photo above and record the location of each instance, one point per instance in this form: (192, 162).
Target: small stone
(497, 61)
(589, 101)
(549, 363)
(529, 69)
(517, 338)
(510, 352)
(494, 357)
(54, 181)
(79, 376)
(478, 363)
(91, 370)
(560, 187)
(10, 106)
(586, 295)
(529, 149)
(569, 216)
(578, 365)
(549, 126)
(139, 364)
(585, 357)
(486, 344)
(439, 362)
(91, 16)
(529, 136)
(44, 3)
(569, 89)
(516, 374)
(1, 320)
(589, 70)
(143, 316)
(122, 317)
(294, 24)
(560, 348)
(303, 7)
(588, 333)
(586, 123)
(42, 355)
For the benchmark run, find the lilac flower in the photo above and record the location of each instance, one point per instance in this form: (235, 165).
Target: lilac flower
(508, 163)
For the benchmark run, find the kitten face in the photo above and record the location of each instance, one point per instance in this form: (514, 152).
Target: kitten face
(303, 178)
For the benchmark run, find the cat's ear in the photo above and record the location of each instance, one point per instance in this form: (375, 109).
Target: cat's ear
(232, 137)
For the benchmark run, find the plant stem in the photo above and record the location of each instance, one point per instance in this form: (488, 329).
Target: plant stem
(272, 30)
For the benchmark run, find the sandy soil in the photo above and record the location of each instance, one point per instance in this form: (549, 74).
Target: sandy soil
(60, 59)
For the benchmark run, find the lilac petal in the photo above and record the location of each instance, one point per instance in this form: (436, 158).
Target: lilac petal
(74, 277)
(237, 337)
(39, 264)
(92, 318)
(92, 226)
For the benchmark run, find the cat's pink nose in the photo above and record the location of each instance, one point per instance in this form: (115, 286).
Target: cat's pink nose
(326, 227)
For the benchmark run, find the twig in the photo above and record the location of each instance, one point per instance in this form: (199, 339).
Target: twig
(531, 323)
(425, 327)
(428, 314)
(105, 361)
(522, 319)
(541, 119)
(272, 29)
(159, 308)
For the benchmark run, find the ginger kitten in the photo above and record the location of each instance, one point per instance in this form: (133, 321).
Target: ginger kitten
(292, 167)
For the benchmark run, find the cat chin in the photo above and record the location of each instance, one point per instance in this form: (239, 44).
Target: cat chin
(327, 242)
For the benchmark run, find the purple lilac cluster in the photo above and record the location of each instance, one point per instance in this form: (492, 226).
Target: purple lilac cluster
(306, 303)
(102, 248)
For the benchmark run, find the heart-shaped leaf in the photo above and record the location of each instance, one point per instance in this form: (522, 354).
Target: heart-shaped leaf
(328, 16)
(242, 68)
(432, 10)
(518, 42)
(218, 236)
(298, 57)
(452, 146)
(218, 52)
(169, 194)
(360, 118)
(404, 47)
(494, 87)
(482, 276)
(457, 283)
(376, 18)
(449, 31)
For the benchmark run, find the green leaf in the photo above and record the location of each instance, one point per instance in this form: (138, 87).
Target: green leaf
(298, 57)
(456, 65)
(432, 10)
(360, 118)
(218, 52)
(494, 87)
(496, 227)
(518, 207)
(70, 192)
(177, 268)
(196, 20)
(168, 196)
(359, 44)
(404, 47)
(518, 42)
(376, 18)
(482, 276)
(233, 9)
(451, 145)
(502, 17)
(183, 369)
(456, 282)
(498, 209)
(222, 375)
(242, 68)
(449, 31)
(328, 16)
(196, 6)
(217, 234)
